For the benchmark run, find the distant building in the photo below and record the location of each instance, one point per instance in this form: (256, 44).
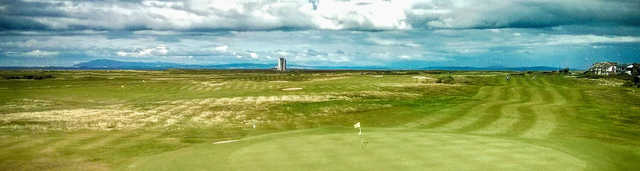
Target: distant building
(626, 71)
(604, 68)
(282, 64)
(632, 69)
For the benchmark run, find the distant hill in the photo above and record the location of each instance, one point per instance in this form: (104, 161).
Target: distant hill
(106, 64)
(113, 64)
(493, 68)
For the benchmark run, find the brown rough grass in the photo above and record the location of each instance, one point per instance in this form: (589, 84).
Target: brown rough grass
(228, 111)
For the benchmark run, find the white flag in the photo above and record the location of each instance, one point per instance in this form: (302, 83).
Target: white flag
(357, 125)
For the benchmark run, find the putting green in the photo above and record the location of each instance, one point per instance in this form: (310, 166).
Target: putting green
(385, 150)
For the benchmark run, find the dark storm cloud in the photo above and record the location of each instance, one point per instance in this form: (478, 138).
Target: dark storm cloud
(523, 14)
(19, 23)
(244, 15)
(31, 9)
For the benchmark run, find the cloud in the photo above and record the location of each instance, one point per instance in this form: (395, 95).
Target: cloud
(40, 53)
(404, 57)
(391, 42)
(145, 52)
(589, 39)
(222, 48)
(442, 47)
(524, 14)
(312, 14)
(253, 55)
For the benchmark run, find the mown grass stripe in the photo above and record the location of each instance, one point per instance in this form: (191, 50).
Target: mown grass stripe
(448, 115)
(9, 141)
(81, 141)
(527, 115)
(494, 112)
(546, 120)
(33, 144)
(58, 145)
(101, 142)
(560, 104)
(510, 115)
(472, 114)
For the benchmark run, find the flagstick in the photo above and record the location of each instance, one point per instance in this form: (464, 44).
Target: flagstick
(361, 139)
(357, 125)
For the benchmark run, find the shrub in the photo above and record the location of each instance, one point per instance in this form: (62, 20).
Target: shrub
(28, 77)
(446, 80)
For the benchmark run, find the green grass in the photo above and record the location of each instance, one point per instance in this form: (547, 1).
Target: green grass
(328, 149)
(168, 120)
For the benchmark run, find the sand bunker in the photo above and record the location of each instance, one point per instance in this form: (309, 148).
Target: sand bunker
(227, 141)
(291, 89)
(212, 84)
(329, 78)
(422, 78)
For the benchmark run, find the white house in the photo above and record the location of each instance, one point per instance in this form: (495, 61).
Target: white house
(604, 68)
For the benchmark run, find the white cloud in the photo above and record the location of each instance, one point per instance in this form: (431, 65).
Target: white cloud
(325, 14)
(29, 43)
(471, 51)
(282, 53)
(253, 55)
(464, 46)
(225, 14)
(589, 39)
(155, 32)
(328, 14)
(222, 48)
(543, 40)
(391, 42)
(146, 52)
(357, 14)
(411, 44)
(40, 53)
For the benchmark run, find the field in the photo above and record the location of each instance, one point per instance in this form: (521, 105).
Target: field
(303, 120)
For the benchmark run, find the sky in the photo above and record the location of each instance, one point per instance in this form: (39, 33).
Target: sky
(399, 34)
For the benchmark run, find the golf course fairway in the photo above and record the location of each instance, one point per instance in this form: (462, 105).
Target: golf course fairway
(513, 126)
(260, 120)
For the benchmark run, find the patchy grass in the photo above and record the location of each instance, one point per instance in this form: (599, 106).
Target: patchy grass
(155, 120)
